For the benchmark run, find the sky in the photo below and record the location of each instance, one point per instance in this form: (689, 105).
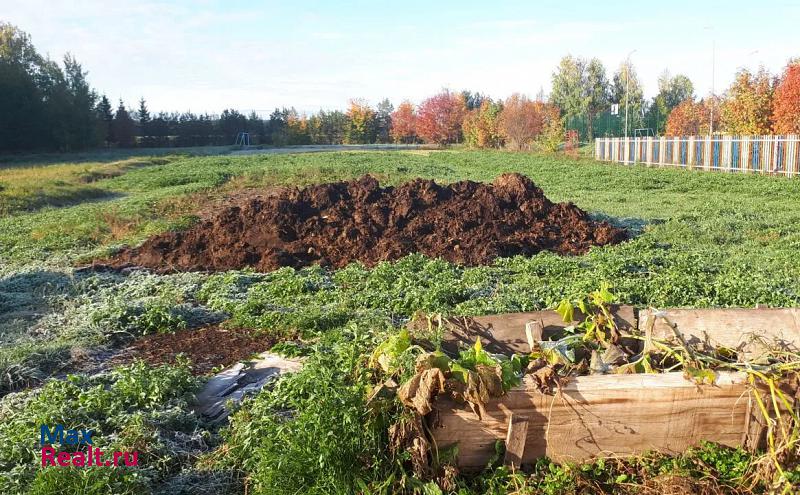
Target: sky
(205, 56)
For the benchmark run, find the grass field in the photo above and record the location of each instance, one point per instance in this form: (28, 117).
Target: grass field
(701, 239)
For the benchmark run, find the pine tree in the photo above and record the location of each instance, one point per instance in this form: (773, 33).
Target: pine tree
(144, 120)
(383, 121)
(22, 109)
(123, 127)
(82, 118)
(105, 118)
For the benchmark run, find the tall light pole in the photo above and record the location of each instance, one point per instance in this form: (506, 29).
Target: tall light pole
(713, 61)
(713, 64)
(627, 85)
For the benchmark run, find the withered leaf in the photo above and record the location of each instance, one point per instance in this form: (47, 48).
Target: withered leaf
(614, 355)
(407, 435)
(546, 379)
(491, 378)
(476, 394)
(418, 393)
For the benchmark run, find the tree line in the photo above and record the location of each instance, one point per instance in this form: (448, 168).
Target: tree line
(49, 106)
(756, 103)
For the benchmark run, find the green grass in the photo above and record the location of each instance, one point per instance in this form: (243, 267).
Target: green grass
(104, 155)
(702, 239)
(698, 210)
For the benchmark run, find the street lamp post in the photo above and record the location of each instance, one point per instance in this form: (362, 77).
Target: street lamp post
(713, 60)
(713, 63)
(627, 86)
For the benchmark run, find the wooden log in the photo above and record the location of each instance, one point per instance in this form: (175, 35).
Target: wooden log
(751, 331)
(609, 415)
(505, 333)
(516, 436)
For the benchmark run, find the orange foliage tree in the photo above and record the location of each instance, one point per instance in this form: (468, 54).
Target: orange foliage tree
(786, 104)
(440, 118)
(523, 120)
(690, 118)
(404, 123)
(552, 127)
(482, 126)
(747, 108)
(360, 123)
(520, 121)
(297, 128)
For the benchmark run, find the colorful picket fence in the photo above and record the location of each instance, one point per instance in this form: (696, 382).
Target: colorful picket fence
(760, 154)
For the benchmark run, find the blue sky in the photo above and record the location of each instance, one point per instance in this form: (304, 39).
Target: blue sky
(207, 56)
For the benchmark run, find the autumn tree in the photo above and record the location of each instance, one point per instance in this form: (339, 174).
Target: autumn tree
(440, 117)
(297, 128)
(552, 134)
(521, 121)
(747, 107)
(361, 123)
(287, 127)
(690, 118)
(482, 126)
(404, 123)
(786, 103)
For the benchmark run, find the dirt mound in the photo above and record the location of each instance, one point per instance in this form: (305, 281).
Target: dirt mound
(333, 224)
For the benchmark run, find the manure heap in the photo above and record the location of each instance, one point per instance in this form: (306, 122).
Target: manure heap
(466, 222)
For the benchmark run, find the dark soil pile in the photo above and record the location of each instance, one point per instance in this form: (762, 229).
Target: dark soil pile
(333, 224)
(207, 348)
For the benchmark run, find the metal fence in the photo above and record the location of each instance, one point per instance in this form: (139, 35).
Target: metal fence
(760, 154)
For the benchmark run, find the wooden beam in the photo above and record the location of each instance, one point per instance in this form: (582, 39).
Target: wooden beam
(505, 333)
(750, 331)
(515, 440)
(602, 415)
